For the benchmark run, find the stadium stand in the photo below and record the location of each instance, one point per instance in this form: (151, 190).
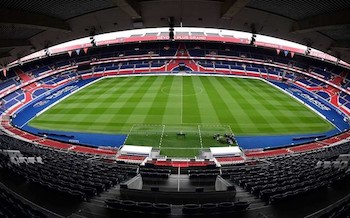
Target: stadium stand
(284, 177)
(10, 206)
(44, 174)
(272, 175)
(69, 173)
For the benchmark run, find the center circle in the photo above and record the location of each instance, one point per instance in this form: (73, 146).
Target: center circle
(178, 91)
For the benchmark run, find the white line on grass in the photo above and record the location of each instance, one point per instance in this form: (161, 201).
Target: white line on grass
(141, 124)
(128, 134)
(337, 127)
(58, 101)
(200, 136)
(304, 103)
(27, 121)
(213, 75)
(230, 128)
(161, 136)
(175, 148)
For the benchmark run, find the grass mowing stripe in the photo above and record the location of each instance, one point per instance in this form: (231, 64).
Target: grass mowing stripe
(133, 94)
(291, 118)
(172, 110)
(143, 102)
(88, 124)
(113, 105)
(299, 113)
(223, 101)
(207, 110)
(236, 105)
(191, 112)
(248, 110)
(266, 111)
(157, 106)
(222, 95)
(104, 110)
(82, 105)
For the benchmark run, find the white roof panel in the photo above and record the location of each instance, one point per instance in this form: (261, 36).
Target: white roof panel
(219, 151)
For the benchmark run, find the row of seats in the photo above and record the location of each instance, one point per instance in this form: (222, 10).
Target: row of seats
(164, 208)
(11, 207)
(323, 69)
(154, 172)
(291, 175)
(203, 173)
(66, 172)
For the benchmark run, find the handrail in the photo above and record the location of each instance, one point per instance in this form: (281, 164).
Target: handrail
(328, 208)
(30, 203)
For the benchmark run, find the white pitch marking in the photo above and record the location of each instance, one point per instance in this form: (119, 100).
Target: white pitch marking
(128, 134)
(200, 136)
(161, 136)
(230, 128)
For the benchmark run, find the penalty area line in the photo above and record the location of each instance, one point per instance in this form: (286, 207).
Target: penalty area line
(229, 127)
(200, 136)
(180, 148)
(128, 134)
(161, 136)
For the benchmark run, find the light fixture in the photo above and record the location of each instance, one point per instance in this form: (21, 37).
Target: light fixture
(171, 28)
(92, 40)
(308, 50)
(252, 40)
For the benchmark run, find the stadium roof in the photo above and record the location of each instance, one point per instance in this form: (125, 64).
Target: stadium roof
(28, 26)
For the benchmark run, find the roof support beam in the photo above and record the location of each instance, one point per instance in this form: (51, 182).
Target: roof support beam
(322, 22)
(231, 7)
(130, 7)
(11, 43)
(5, 54)
(32, 20)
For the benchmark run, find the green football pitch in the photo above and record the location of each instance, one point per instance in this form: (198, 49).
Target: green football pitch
(151, 110)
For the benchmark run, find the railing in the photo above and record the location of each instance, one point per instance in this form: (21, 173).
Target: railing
(46, 212)
(329, 208)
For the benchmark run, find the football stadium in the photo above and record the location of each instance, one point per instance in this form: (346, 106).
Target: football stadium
(199, 108)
